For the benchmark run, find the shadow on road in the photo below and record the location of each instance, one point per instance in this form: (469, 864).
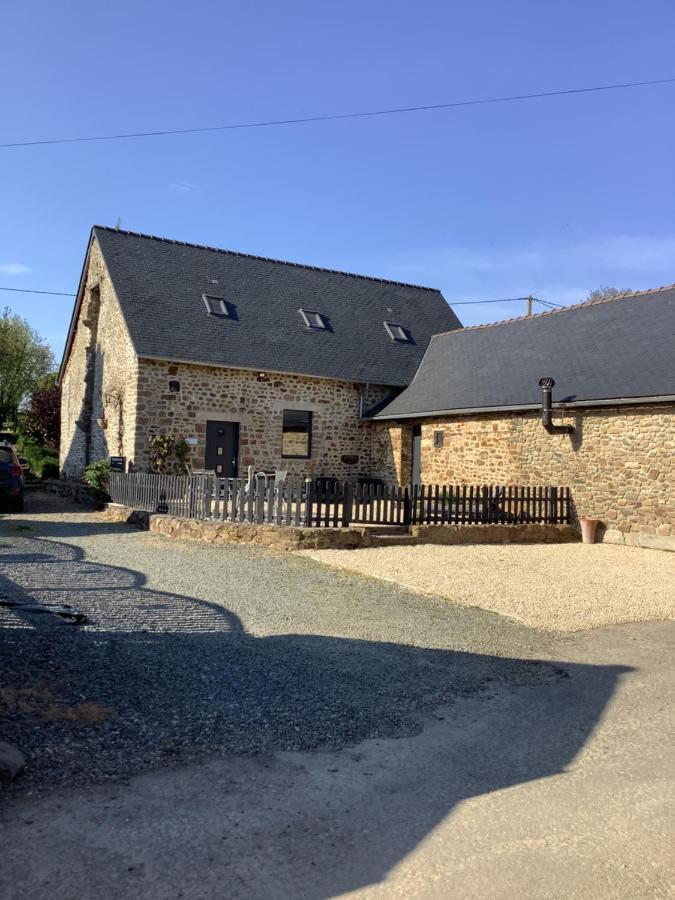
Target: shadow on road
(157, 678)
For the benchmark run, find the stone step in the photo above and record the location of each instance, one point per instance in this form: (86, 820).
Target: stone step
(393, 540)
(386, 529)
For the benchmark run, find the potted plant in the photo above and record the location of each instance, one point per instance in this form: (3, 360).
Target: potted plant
(589, 526)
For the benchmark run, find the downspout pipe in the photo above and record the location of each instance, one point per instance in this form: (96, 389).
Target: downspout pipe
(547, 385)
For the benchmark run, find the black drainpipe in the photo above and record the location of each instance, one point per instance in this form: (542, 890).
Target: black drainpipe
(547, 385)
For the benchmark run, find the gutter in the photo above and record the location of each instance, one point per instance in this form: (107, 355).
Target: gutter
(527, 407)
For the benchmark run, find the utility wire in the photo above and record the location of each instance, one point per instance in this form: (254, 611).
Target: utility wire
(29, 291)
(336, 116)
(451, 303)
(549, 303)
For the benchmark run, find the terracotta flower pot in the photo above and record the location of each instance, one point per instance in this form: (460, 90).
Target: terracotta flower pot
(588, 529)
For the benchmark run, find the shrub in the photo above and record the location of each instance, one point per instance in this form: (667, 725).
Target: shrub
(43, 462)
(160, 447)
(41, 417)
(182, 451)
(97, 475)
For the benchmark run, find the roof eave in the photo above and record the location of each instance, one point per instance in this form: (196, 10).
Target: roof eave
(528, 407)
(194, 362)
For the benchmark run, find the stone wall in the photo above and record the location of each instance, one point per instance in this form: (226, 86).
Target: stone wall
(98, 386)
(286, 537)
(257, 404)
(289, 537)
(494, 534)
(619, 463)
(74, 491)
(392, 453)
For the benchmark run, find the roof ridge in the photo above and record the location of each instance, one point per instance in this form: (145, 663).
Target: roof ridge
(285, 262)
(552, 312)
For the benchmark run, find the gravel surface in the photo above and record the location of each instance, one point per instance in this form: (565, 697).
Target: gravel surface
(564, 587)
(190, 649)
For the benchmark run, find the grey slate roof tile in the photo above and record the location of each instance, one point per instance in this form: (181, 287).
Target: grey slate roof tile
(159, 284)
(614, 349)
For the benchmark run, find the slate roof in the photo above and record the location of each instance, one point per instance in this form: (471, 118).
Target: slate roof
(159, 284)
(614, 349)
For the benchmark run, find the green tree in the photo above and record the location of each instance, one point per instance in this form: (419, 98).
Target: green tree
(605, 292)
(24, 359)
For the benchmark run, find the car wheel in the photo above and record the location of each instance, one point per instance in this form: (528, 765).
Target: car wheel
(17, 504)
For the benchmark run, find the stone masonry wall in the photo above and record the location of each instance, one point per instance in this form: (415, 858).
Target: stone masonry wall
(392, 453)
(619, 463)
(236, 395)
(102, 351)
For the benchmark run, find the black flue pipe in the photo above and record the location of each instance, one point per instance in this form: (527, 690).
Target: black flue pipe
(547, 385)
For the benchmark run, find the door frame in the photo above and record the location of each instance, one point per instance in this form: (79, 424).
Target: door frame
(236, 428)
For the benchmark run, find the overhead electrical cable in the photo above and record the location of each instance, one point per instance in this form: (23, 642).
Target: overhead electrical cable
(450, 303)
(30, 291)
(337, 116)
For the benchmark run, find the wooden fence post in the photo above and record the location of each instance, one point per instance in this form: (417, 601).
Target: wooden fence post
(485, 504)
(260, 500)
(407, 518)
(347, 497)
(309, 502)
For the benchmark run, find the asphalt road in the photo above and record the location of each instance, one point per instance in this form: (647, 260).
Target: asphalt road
(231, 723)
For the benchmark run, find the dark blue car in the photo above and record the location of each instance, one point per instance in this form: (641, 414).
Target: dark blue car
(11, 479)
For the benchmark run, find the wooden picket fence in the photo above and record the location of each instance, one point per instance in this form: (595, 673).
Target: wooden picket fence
(325, 503)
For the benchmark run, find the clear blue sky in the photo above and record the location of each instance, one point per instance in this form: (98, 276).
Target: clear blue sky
(553, 197)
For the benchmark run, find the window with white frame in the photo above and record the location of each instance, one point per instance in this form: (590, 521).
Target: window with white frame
(218, 306)
(398, 333)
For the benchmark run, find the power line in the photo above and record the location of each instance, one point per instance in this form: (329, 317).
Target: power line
(472, 302)
(29, 291)
(451, 303)
(337, 116)
(548, 303)
(62, 294)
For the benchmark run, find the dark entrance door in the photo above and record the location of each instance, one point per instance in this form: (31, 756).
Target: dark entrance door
(416, 470)
(222, 448)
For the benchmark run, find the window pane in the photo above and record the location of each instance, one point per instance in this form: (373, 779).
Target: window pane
(218, 306)
(296, 438)
(313, 319)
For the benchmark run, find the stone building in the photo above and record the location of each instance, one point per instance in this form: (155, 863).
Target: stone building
(249, 361)
(473, 412)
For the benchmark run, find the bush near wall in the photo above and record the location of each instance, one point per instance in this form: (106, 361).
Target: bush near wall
(43, 462)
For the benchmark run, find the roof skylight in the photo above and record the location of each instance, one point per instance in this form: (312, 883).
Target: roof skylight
(398, 333)
(218, 306)
(314, 320)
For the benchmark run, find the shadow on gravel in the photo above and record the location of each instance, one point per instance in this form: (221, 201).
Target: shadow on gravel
(156, 678)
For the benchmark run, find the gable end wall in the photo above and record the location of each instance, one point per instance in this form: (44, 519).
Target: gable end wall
(101, 422)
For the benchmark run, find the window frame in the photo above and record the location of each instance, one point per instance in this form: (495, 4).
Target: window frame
(322, 325)
(226, 309)
(398, 333)
(308, 432)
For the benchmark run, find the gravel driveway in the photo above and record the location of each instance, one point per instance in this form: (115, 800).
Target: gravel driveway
(190, 649)
(567, 587)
